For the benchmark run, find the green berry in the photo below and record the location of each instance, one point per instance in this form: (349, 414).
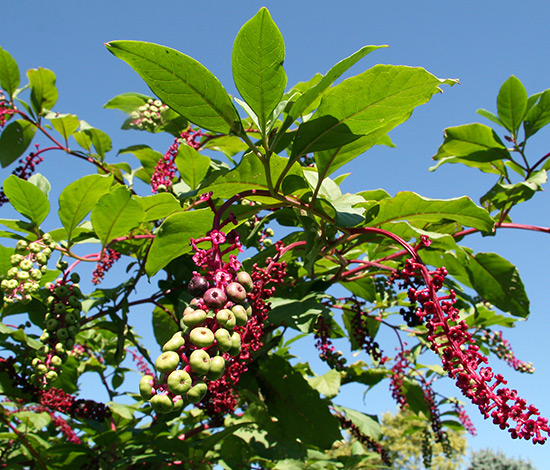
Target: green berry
(15, 260)
(75, 277)
(25, 264)
(217, 368)
(62, 291)
(167, 362)
(162, 403)
(59, 308)
(35, 247)
(192, 317)
(56, 361)
(41, 258)
(225, 318)
(223, 339)
(51, 375)
(52, 324)
(36, 274)
(12, 272)
(235, 344)
(22, 275)
(146, 387)
(201, 337)
(174, 343)
(21, 245)
(62, 265)
(199, 360)
(63, 334)
(179, 382)
(197, 392)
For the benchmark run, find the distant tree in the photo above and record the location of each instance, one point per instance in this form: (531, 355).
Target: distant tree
(487, 459)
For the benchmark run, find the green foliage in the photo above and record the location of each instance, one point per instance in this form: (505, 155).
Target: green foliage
(250, 200)
(488, 459)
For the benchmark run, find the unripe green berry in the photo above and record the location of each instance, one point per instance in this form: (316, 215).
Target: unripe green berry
(197, 392)
(4, 284)
(62, 265)
(75, 277)
(52, 324)
(201, 337)
(12, 284)
(56, 361)
(35, 362)
(162, 403)
(25, 264)
(217, 368)
(167, 362)
(174, 343)
(41, 369)
(146, 387)
(41, 258)
(21, 245)
(235, 344)
(62, 291)
(44, 336)
(15, 259)
(60, 349)
(22, 275)
(36, 274)
(62, 334)
(179, 382)
(12, 272)
(199, 360)
(35, 247)
(59, 308)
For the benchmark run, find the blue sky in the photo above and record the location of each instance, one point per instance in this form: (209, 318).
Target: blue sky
(480, 43)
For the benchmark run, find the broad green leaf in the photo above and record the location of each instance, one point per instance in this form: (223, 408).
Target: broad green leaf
(474, 143)
(367, 424)
(327, 384)
(491, 116)
(159, 206)
(115, 214)
(298, 408)
(498, 282)
(371, 103)
(228, 145)
(19, 335)
(43, 90)
(298, 314)
(41, 182)
(96, 137)
(14, 140)
(538, 115)
(418, 211)
(191, 165)
(27, 199)
(249, 174)
(5, 254)
(79, 197)
(182, 83)
(512, 104)
(502, 195)
(65, 124)
(9, 73)
(258, 56)
(323, 82)
(415, 397)
(173, 237)
(127, 102)
(164, 325)
(363, 287)
(33, 420)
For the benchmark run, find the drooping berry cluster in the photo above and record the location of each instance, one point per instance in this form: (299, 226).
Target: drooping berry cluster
(401, 365)
(62, 325)
(165, 170)
(503, 350)
(465, 419)
(6, 110)
(367, 441)
(109, 258)
(148, 116)
(28, 264)
(327, 351)
(435, 420)
(195, 355)
(449, 337)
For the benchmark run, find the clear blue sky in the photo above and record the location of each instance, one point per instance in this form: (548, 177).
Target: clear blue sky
(481, 43)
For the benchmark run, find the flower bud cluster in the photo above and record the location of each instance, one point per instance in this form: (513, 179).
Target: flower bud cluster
(28, 265)
(449, 337)
(197, 354)
(62, 326)
(6, 110)
(503, 350)
(148, 116)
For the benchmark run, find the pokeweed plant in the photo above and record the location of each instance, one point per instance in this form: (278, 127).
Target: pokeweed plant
(231, 297)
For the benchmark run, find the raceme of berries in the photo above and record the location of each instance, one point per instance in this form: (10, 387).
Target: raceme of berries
(106, 263)
(29, 263)
(503, 350)
(148, 116)
(449, 337)
(62, 326)
(327, 351)
(24, 170)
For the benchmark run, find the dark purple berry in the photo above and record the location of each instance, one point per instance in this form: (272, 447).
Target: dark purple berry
(198, 286)
(215, 298)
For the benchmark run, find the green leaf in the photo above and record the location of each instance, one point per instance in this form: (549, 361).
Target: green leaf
(159, 206)
(127, 102)
(298, 408)
(415, 397)
(41, 182)
(192, 165)
(367, 424)
(306, 99)
(173, 237)
(164, 325)
(79, 197)
(96, 137)
(147, 157)
(474, 145)
(65, 124)
(491, 116)
(115, 214)
(538, 115)
(418, 211)
(298, 314)
(369, 104)
(498, 282)
(362, 287)
(327, 384)
(33, 420)
(9, 73)
(20, 336)
(249, 174)
(258, 56)
(182, 83)
(14, 140)
(512, 104)
(27, 199)
(43, 90)
(502, 196)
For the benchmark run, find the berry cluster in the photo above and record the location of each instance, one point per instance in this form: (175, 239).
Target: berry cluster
(148, 116)
(28, 264)
(165, 169)
(327, 352)
(503, 350)
(6, 110)
(195, 354)
(108, 259)
(62, 325)
(448, 336)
